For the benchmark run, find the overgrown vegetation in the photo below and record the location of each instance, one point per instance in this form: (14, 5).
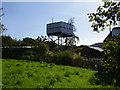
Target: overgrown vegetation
(30, 74)
(108, 15)
(64, 57)
(39, 74)
(105, 16)
(111, 64)
(42, 50)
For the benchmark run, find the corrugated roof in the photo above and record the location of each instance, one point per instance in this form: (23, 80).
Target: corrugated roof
(96, 48)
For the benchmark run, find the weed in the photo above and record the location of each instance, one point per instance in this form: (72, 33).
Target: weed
(76, 72)
(52, 81)
(17, 64)
(19, 83)
(58, 77)
(24, 74)
(67, 74)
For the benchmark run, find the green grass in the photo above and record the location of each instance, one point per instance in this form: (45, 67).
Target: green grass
(29, 74)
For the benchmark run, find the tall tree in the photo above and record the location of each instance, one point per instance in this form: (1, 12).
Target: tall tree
(9, 41)
(2, 27)
(69, 41)
(105, 16)
(42, 38)
(108, 15)
(30, 41)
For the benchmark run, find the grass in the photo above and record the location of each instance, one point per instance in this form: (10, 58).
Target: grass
(29, 74)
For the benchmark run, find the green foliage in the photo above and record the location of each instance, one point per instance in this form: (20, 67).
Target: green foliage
(2, 26)
(72, 59)
(28, 57)
(30, 74)
(111, 64)
(30, 41)
(70, 41)
(105, 16)
(25, 44)
(41, 38)
(101, 78)
(63, 57)
(8, 41)
(41, 51)
(52, 46)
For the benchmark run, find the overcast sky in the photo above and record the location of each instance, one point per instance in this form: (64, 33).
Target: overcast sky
(29, 19)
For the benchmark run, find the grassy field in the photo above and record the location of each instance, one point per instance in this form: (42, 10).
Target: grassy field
(29, 74)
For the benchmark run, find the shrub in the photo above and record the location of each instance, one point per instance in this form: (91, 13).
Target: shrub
(111, 64)
(49, 57)
(41, 51)
(28, 57)
(63, 57)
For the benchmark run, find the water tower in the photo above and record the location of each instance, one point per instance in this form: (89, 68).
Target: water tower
(60, 29)
(116, 30)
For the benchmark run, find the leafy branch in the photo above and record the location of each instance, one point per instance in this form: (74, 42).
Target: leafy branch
(105, 16)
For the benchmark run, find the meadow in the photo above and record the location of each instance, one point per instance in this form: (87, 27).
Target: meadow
(31, 74)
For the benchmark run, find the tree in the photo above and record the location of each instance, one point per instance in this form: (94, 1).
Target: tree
(69, 41)
(112, 57)
(2, 27)
(41, 38)
(52, 45)
(30, 41)
(41, 51)
(105, 16)
(9, 41)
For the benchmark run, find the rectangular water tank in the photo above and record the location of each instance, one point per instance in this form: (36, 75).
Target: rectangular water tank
(60, 28)
(116, 31)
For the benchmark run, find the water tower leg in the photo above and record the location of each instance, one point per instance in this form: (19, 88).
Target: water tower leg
(61, 41)
(61, 44)
(48, 38)
(58, 39)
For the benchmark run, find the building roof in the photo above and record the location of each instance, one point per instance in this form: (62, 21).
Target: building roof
(96, 48)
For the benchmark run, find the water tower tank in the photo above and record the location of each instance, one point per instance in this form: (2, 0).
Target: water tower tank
(116, 31)
(60, 28)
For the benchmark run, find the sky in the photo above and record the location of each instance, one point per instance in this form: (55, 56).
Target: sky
(29, 19)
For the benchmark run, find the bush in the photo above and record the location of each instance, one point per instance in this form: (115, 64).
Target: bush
(73, 59)
(63, 57)
(111, 64)
(28, 57)
(41, 51)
